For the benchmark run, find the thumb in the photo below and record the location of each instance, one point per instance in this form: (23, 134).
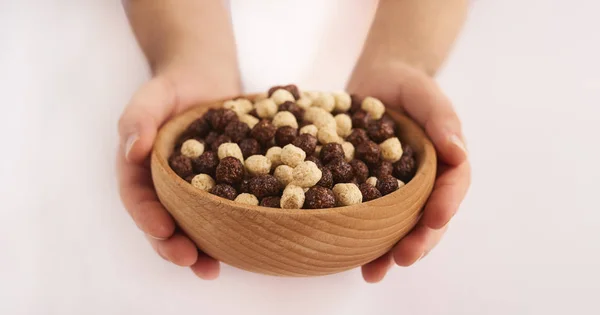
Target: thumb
(149, 107)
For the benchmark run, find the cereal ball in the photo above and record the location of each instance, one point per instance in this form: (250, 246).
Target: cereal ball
(355, 103)
(280, 96)
(189, 178)
(206, 163)
(240, 106)
(343, 125)
(208, 115)
(199, 128)
(311, 95)
(219, 140)
(405, 168)
(306, 142)
(373, 106)
(387, 119)
(315, 160)
(210, 139)
(221, 118)
(285, 119)
(368, 151)
(391, 149)
(360, 170)
(291, 155)
(380, 131)
(319, 117)
(341, 171)
(387, 184)
(274, 155)
(249, 120)
(318, 149)
(319, 198)
(266, 108)
(248, 199)
(244, 186)
(384, 168)
(263, 132)
(203, 182)
(224, 191)
(229, 171)
(326, 178)
(192, 148)
(309, 129)
(230, 149)
(249, 147)
(290, 88)
(291, 107)
(372, 181)
(264, 185)
(306, 174)
(348, 151)
(347, 194)
(304, 102)
(342, 101)
(258, 165)
(357, 136)
(332, 151)
(325, 101)
(400, 184)
(237, 130)
(270, 202)
(292, 197)
(285, 135)
(328, 135)
(369, 192)
(361, 119)
(407, 150)
(284, 174)
(181, 165)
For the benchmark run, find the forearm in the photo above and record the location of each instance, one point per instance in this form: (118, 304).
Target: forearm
(192, 40)
(419, 33)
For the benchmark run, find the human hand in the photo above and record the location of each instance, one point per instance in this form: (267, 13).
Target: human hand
(155, 102)
(412, 91)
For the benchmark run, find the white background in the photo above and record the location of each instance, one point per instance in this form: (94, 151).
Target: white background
(525, 77)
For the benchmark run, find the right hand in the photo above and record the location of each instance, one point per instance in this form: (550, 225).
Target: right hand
(154, 103)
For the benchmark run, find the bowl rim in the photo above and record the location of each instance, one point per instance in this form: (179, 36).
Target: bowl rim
(429, 158)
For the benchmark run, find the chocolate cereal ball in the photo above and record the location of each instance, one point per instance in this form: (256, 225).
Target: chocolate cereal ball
(206, 163)
(356, 102)
(405, 168)
(271, 202)
(357, 136)
(326, 179)
(306, 142)
(249, 147)
(360, 170)
(318, 198)
(218, 141)
(291, 107)
(264, 186)
(210, 138)
(369, 192)
(263, 132)
(229, 171)
(285, 135)
(387, 184)
(209, 114)
(181, 165)
(315, 160)
(224, 191)
(380, 131)
(293, 89)
(341, 171)
(407, 150)
(331, 151)
(237, 130)
(199, 128)
(368, 151)
(244, 186)
(360, 119)
(221, 118)
(384, 168)
(387, 119)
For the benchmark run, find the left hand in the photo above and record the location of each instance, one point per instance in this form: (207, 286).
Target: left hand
(414, 92)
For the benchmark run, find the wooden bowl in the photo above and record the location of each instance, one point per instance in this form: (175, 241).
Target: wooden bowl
(287, 242)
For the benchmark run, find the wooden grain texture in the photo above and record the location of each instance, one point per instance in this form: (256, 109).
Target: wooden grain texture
(292, 242)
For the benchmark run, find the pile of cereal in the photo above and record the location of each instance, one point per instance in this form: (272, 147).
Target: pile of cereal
(295, 150)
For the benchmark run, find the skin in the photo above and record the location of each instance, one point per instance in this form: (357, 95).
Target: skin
(191, 51)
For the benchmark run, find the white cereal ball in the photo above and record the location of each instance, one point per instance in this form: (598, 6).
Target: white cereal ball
(311, 95)
(274, 155)
(249, 120)
(373, 106)
(260, 97)
(306, 174)
(347, 194)
(325, 101)
(240, 106)
(304, 102)
(400, 184)
(230, 149)
(391, 149)
(192, 148)
(266, 108)
(203, 182)
(284, 174)
(246, 198)
(258, 165)
(291, 155)
(342, 101)
(318, 149)
(319, 117)
(372, 181)
(328, 135)
(343, 125)
(281, 96)
(292, 197)
(309, 129)
(285, 118)
(348, 151)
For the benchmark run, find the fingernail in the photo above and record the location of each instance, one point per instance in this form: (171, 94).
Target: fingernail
(454, 139)
(422, 256)
(131, 140)
(157, 238)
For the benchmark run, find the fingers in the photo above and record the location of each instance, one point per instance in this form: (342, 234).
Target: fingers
(152, 104)
(206, 267)
(416, 245)
(178, 249)
(449, 190)
(376, 270)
